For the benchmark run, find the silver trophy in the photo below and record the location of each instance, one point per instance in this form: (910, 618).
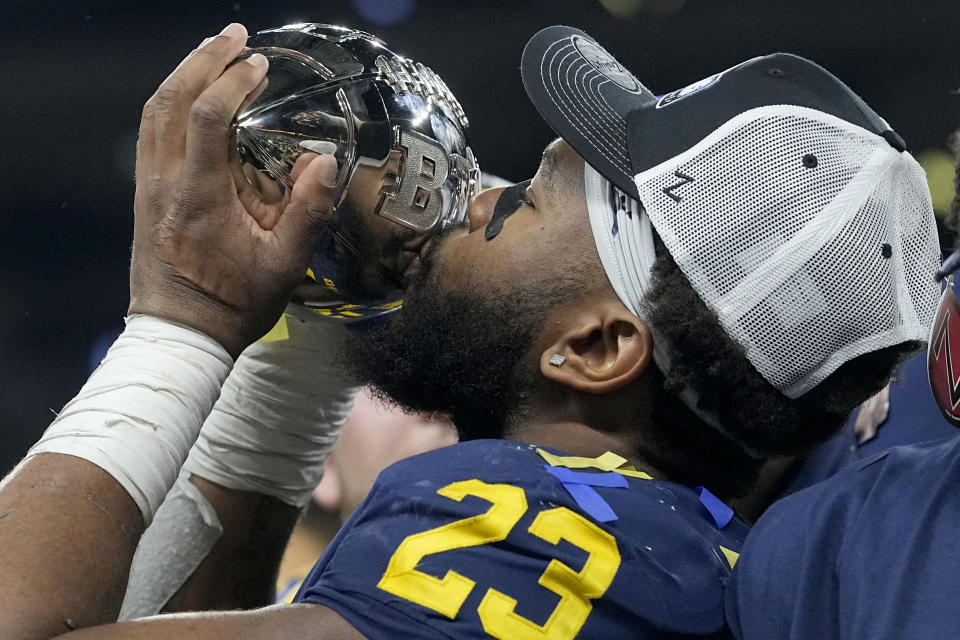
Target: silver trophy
(405, 169)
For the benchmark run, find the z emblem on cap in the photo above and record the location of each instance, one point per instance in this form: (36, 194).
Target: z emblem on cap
(940, 368)
(684, 179)
(599, 59)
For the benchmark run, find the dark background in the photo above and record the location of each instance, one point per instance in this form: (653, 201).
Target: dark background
(75, 74)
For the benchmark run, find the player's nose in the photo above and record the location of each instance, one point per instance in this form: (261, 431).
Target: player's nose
(481, 207)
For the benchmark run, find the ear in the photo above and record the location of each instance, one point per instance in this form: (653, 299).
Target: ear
(605, 347)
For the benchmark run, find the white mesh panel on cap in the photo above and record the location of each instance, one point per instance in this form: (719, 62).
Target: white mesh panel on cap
(790, 254)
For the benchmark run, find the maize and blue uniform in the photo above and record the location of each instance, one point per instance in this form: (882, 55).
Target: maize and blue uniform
(871, 553)
(492, 538)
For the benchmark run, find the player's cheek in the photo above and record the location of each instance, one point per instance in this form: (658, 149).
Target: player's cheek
(458, 262)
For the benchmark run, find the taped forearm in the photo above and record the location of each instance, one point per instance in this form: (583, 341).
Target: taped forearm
(279, 415)
(269, 433)
(141, 410)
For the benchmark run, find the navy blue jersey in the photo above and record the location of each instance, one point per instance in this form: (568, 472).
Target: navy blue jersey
(486, 539)
(871, 553)
(913, 418)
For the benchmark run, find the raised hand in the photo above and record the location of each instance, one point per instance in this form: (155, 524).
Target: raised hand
(210, 252)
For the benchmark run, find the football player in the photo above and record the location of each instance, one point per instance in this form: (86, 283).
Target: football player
(617, 371)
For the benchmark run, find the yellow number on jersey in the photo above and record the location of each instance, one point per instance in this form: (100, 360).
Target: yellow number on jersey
(448, 594)
(576, 589)
(497, 610)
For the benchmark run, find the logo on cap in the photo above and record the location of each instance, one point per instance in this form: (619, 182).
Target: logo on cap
(603, 62)
(689, 90)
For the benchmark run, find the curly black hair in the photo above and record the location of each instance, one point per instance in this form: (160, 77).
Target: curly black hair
(705, 360)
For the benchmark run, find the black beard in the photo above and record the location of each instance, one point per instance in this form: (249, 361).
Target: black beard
(450, 353)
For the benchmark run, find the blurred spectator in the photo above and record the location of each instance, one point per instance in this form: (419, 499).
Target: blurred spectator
(375, 437)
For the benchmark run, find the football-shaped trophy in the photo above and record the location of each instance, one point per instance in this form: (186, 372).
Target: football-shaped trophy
(405, 168)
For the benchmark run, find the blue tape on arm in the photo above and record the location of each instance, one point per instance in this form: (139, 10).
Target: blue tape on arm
(722, 514)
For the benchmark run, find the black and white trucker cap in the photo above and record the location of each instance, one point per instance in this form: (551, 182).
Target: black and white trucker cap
(792, 208)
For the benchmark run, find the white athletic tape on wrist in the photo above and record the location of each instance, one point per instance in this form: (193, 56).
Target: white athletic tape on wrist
(141, 410)
(181, 535)
(279, 414)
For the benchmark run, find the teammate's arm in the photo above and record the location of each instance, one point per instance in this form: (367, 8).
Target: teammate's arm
(255, 465)
(67, 527)
(280, 622)
(240, 572)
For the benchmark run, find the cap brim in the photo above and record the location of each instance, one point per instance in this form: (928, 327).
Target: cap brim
(620, 128)
(585, 96)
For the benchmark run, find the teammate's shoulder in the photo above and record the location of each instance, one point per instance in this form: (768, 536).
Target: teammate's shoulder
(893, 477)
(847, 543)
(896, 464)
(943, 453)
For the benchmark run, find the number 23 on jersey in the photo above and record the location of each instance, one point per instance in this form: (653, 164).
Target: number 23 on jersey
(508, 504)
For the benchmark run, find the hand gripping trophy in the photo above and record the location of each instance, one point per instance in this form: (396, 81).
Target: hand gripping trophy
(405, 168)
